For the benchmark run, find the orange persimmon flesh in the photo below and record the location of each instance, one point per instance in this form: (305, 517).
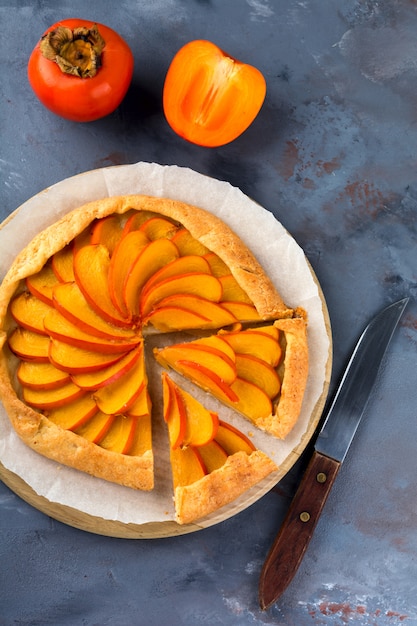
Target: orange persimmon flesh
(209, 97)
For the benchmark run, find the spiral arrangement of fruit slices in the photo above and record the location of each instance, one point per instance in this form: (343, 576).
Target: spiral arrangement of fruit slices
(81, 322)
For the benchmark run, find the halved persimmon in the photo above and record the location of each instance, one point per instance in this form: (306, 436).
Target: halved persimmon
(209, 97)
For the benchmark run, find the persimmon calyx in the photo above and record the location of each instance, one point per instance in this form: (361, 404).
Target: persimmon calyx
(76, 51)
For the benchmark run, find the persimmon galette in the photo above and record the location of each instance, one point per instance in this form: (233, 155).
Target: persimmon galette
(76, 308)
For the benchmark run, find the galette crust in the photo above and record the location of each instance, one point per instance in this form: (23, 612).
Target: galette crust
(204, 226)
(67, 448)
(287, 408)
(240, 472)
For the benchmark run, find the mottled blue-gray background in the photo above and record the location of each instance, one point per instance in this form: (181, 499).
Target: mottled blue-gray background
(333, 154)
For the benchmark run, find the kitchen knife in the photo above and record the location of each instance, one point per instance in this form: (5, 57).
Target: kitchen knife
(330, 449)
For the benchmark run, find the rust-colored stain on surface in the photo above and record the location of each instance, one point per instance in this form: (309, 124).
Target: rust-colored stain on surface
(363, 193)
(409, 321)
(347, 612)
(306, 169)
(297, 162)
(287, 167)
(329, 166)
(344, 609)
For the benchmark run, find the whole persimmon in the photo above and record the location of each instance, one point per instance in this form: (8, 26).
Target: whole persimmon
(209, 97)
(80, 70)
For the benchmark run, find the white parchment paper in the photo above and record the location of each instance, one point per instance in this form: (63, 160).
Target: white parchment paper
(274, 248)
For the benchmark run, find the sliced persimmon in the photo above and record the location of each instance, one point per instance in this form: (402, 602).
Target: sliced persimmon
(258, 372)
(119, 396)
(253, 401)
(142, 437)
(187, 466)
(58, 327)
(261, 345)
(136, 219)
(91, 270)
(42, 283)
(232, 291)
(267, 330)
(189, 245)
(217, 265)
(71, 303)
(108, 375)
(211, 314)
(62, 264)
(217, 342)
(82, 239)
(196, 283)
(167, 319)
(178, 267)
(123, 259)
(242, 311)
(29, 312)
(108, 231)
(207, 380)
(96, 427)
(213, 455)
(76, 360)
(142, 405)
(52, 398)
(174, 412)
(151, 258)
(201, 424)
(74, 414)
(41, 375)
(120, 435)
(29, 345)
(158, 227)
(202, 355)
(232, 439)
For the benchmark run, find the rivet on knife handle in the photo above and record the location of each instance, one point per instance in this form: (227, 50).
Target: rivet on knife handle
(297, 529)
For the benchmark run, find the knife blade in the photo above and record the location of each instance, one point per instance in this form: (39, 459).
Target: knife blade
(330, 449)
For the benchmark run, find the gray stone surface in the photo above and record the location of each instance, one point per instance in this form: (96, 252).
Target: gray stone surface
(333, 156)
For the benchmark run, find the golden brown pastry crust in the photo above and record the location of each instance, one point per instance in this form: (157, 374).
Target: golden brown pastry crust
(287, 408)
(204, 226)
(293, 372)
(67, 448)
(240, 472)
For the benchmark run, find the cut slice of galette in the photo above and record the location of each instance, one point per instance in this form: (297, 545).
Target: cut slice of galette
(212, 462)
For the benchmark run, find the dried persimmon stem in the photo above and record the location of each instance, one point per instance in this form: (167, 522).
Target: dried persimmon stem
(76, 52)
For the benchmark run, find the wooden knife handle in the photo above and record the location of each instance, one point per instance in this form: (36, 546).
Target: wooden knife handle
(297, 529)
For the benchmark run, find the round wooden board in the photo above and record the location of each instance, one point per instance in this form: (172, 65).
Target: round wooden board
(90, 523)
(159, 529)
(169, 528)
